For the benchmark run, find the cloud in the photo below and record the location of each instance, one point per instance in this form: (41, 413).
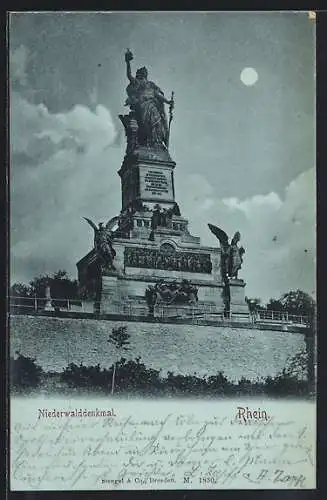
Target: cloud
(35, 131)
(18, 64)
(61, 170)
(278, 232)
(270, 202)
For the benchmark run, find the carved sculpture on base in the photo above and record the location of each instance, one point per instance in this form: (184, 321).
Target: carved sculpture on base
(170, 293)
(131, 130)
(231, 260)
(148, 258)
(103, 238)
(231, 254)
(162, 217)
(125, 223)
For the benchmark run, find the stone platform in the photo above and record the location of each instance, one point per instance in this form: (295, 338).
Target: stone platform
(170, 258)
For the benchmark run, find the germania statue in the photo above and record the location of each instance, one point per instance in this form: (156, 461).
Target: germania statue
(147, 101)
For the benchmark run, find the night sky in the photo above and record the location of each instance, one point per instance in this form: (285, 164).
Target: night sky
(245, 154)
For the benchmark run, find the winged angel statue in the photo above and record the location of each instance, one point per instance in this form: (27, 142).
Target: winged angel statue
(103, 237)
(232, 255)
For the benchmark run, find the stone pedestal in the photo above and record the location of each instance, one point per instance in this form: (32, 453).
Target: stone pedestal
(109, 298)
(48, 305)
(237, 297)
(141, 262)
(153, 245)
(147, 177)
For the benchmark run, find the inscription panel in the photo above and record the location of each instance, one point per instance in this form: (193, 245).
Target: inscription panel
(156, 183)
(176, 261)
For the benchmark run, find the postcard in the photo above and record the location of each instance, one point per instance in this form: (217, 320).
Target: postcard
(163, 251)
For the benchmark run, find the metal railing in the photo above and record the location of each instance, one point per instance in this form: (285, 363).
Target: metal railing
(281, 317)
(42, 303)
(196, 314)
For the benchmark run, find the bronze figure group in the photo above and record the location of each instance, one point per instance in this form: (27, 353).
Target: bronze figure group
(167, 293)
(162, 217)
(231, 254)
(103, 238)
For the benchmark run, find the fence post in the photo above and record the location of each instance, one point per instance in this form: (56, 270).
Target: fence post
(310, 338)
(35, 303)
(48, 304)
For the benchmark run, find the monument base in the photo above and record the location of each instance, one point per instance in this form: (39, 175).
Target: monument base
(49, 307)
(238, 304)
(109, 300)
(167, 262)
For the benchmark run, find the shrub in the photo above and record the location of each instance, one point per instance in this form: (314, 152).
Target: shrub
(285, 384)
(219, 384)
(131, 377)
(85, 376)
(134, 378)
(184, 385)
(24, 373)
(297, 366)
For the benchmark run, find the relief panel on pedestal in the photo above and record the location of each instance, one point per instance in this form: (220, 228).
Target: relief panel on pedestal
(170, 261)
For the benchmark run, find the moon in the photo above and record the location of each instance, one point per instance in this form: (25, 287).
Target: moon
(249, 76)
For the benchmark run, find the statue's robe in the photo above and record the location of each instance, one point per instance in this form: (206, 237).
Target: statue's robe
(144, 100)
(104, 248)
(235, 260)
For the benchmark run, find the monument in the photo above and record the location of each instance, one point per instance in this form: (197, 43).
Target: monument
(145, 258)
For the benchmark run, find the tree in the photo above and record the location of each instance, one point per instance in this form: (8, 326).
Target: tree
(20, 290)
(294, 302)
(25, 373)
(254, 304)
(275, 305)
(60, 284)
(298, 302)
(119, 338)
(21, 297)
(61, 287)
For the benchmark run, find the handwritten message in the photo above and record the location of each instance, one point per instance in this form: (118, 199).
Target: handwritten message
(161, 445)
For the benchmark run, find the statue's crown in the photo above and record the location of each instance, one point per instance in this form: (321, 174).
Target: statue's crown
(143, 72)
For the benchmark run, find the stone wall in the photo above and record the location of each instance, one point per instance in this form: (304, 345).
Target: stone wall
(185, 349)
